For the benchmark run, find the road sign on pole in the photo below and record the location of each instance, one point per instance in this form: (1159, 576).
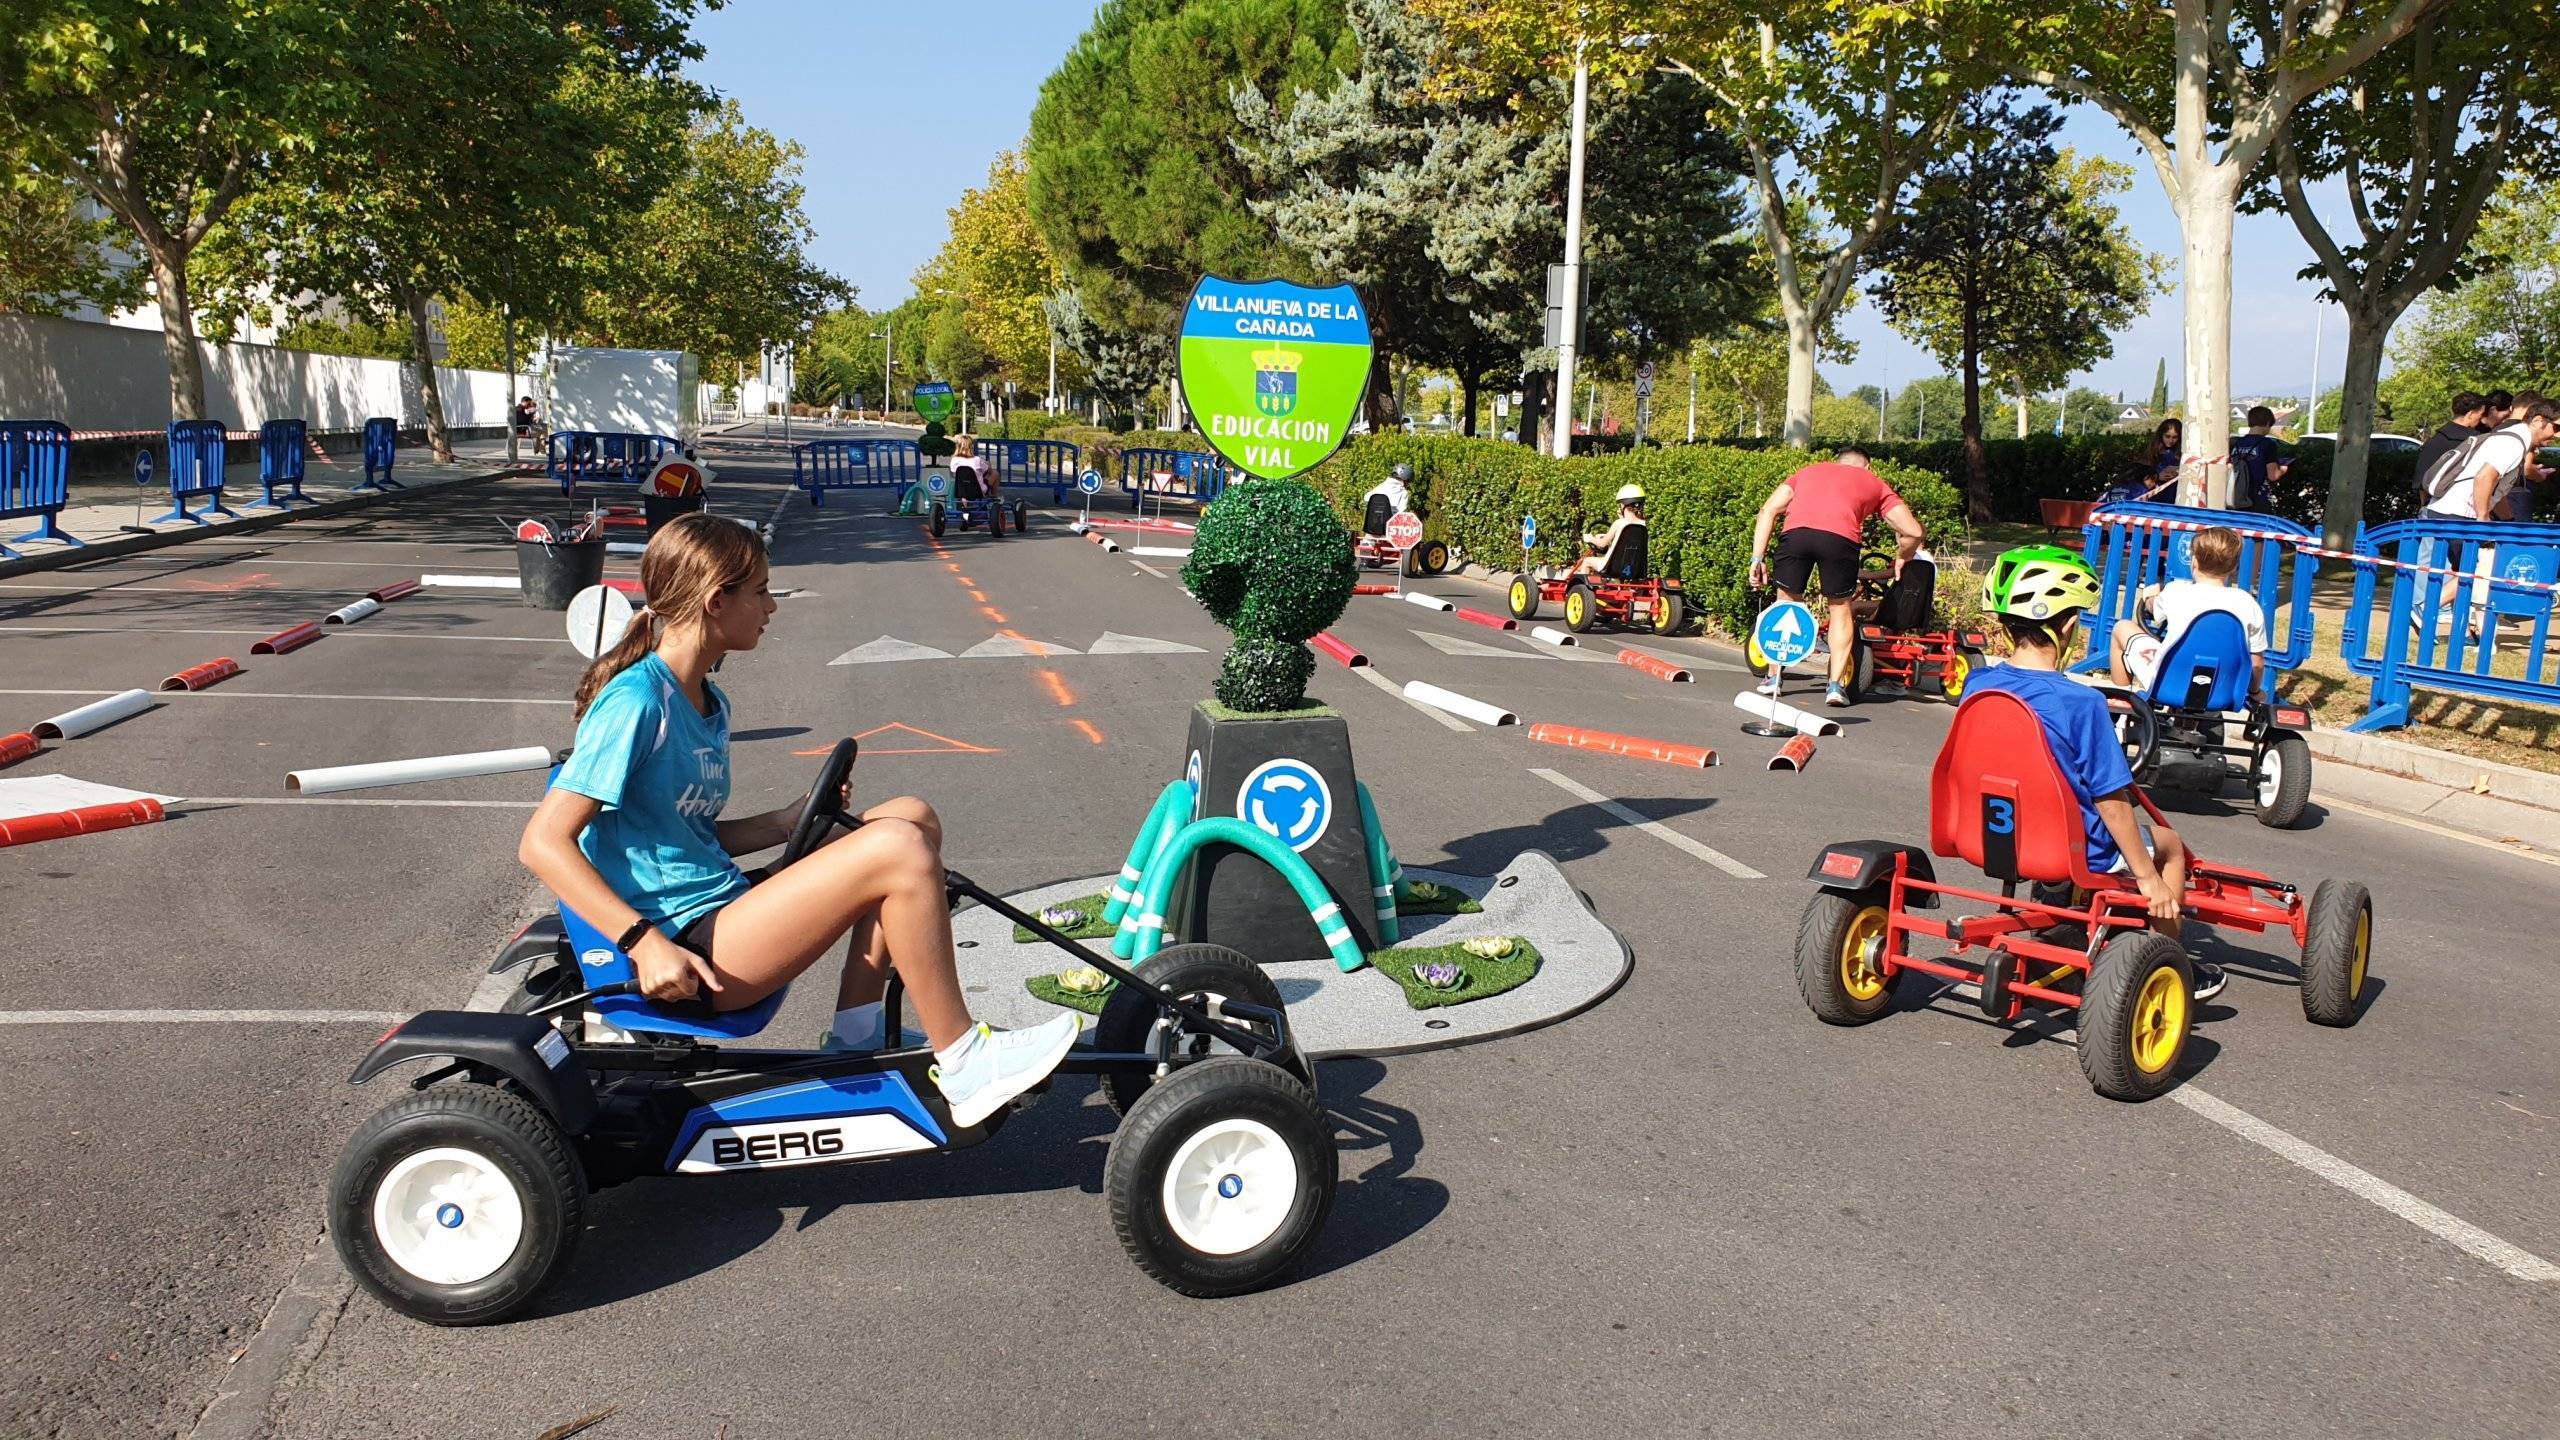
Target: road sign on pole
(1784, 636)
(1528, 532)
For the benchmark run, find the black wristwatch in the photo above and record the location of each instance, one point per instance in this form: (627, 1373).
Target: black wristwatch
(631, 937)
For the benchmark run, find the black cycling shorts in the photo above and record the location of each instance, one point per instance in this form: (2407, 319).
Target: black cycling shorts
(1799, 551)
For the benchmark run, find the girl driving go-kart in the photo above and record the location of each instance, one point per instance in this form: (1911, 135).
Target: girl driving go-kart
(629, 837)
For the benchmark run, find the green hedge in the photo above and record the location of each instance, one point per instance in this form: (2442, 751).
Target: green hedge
(1701, 500)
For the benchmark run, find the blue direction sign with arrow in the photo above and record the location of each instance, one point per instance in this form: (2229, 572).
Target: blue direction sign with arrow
(1784, 632)
(1528, 532)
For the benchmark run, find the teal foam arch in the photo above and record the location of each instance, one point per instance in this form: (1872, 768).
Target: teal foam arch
(1383, 870)
(1166, 868)
(1150, 836)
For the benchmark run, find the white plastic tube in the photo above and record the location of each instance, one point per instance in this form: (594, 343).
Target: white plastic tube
(332, 779)
(1552, 635)
(350, 614)
(472, 582)
(1427, 602)
(1457, 704)
(1159, 550)
(1781, 714)
(89, 717)
(626, 547)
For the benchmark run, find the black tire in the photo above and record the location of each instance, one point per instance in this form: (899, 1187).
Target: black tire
(1668, 612)
(1288, 1139)
(1862, 672)
(1432, 557)
(1580, 602)
(1128, 1019)
(995, 522)
(1839, 987)
(2132, 1035)
(2281, 783)
(1021, 516)
(937, 518)
(1524, 597)
(517, 1142)
(2336, 954)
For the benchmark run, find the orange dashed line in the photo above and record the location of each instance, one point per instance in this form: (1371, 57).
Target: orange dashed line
(978, 595)
(954, 567)
(992, 613)
(1058, 690)
(1089, 732)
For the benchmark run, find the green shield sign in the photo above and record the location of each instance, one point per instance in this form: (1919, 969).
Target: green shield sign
(1273, 372)
(934, 400)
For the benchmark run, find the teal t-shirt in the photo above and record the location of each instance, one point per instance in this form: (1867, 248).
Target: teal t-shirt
(660, 768)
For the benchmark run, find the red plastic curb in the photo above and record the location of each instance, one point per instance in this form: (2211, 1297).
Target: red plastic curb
(288, 640)
(1794, 755)
(1373, 589)
(1490, 622)
(1350, 658)
(627, 587)
(1632, 746)
(1659, 669)
(17, 747)
(392, 591)
(86, 820)
(196, 677)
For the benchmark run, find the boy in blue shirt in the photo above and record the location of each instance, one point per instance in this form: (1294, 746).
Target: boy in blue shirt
(2038, 592)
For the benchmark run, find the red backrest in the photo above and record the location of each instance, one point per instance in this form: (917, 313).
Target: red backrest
(1998, 799)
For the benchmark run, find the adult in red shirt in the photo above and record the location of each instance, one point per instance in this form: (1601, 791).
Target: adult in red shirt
(1828, 505)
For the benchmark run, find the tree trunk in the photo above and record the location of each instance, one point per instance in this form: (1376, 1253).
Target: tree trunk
(1800, 346)
(2365, 333)
(1977, 469)
(1533, 407)
(1467, 387)
(1379, 406)
(2211, 205)
(439, 435)
(2022, 413)
(178, 333)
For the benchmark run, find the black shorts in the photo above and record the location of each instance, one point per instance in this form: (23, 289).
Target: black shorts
(1799, 551)
(696, 937)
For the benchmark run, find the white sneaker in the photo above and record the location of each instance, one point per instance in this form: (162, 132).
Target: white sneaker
(1002, 1065)
(1769, 686)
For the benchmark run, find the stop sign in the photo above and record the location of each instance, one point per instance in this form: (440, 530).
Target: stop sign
(1404, 530)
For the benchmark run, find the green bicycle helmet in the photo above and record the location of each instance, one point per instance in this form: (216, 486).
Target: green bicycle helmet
(2040, 583)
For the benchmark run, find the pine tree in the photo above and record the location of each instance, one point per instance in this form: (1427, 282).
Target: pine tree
(2160, 388)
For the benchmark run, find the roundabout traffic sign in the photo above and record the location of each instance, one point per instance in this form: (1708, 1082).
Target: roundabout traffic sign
(1090, 482)
(1528, 532)
(1286, 800)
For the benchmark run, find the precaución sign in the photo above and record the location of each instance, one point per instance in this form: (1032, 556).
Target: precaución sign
(1274, 371)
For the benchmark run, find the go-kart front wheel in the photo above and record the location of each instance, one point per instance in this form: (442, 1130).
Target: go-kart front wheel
(1840, 946)
(2135, 1011)
(1431, 557)
(1862, 671)
(1220, 1179)
(1209, 974)
(2281, 786)
(2336, 953)
(456, 1204)
(938, 515)
(995, 522)
(1524, 598)
(1668, 612)
(1958, 672)
(1021, 516)
(1581, 607)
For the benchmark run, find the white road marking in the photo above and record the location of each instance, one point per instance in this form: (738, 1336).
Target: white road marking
(334, 635)
(300, 802)
(1654, 828)
(1454, 645)
(1150, 569)
(1370, 674)
(2452, 1229)
(1115, 643)
(886, 648)
(124, 587)
(287, 695)
(2431, 828)
(199, 1017)
(998, 647)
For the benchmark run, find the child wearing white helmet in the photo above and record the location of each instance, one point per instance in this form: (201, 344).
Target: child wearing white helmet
(1603, 543)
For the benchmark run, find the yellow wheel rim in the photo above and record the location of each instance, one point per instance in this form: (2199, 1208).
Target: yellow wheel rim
(1662, 617)
(1752, 648)
(2159, 1020)
(2364, 952)
(1519, 595)
(1959, 670)
(1860, 976)
(1575, 607)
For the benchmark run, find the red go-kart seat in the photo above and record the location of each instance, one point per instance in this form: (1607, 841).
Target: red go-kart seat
(1998, 799)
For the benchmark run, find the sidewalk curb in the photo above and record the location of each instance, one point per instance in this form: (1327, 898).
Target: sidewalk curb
(248, 524)
(2510, 783)
(2434, 787)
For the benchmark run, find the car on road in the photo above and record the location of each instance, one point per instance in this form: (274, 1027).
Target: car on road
(2381, 442)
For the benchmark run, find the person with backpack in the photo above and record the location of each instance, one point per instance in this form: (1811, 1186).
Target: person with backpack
(2473, 480)
(2468, 406)
(2258, 461)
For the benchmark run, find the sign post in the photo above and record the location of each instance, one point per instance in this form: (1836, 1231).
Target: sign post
(1088, 485)
(1644, 398)
(1274, 372)
(1784, 634)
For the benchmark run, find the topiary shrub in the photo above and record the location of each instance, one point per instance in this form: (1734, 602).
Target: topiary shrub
(1270, 562)
(934, 443)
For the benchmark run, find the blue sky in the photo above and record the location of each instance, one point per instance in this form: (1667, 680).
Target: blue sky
(901, 106)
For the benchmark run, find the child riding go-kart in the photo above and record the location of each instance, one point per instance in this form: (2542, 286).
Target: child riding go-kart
(2031, 789)
(461, 1199)
(1901, 641)
(976, 497)
(1615, 583)
(1390, 533)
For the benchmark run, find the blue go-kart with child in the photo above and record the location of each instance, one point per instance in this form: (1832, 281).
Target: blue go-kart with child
(975, 501)
(2177, 730)
(459, 1201)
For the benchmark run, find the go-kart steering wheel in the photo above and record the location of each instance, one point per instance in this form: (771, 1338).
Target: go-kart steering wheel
(2137, 727)
(825, 806)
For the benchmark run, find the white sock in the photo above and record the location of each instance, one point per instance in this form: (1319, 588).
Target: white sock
(957, 1053)
(859, 1027)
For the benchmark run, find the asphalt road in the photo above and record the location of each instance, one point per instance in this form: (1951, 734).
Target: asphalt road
(1693, 1210)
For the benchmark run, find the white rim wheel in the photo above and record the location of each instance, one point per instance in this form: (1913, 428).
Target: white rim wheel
(1230, 1187)
(448, 1216)
(2270, 776)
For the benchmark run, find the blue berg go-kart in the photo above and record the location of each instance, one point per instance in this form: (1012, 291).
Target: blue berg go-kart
(2177, 733)
(457, 1202)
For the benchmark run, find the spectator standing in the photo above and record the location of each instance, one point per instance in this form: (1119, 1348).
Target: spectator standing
(2258, 461)
(2471, 482)
(2468, 407)
(1827, 506)
(2496, 410)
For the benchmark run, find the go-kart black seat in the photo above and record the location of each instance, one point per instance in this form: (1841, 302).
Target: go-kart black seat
(1907, 603)
(1629, 558)
(1375, 515)
(965, 483)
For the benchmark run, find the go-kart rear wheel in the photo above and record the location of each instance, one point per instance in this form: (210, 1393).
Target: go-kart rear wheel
(2337, 952)
(1862, 671)
(1668, 612)
(2135, 1011)
(1958, 672)
(1524, 598)
(1581, 607)
(2282, 785)
(1207, 973)
(1221, 1178)
(1021, 517)
(456, 1204)
(1840, 943)
(938, 515)
(1431, 557)
(995, 522)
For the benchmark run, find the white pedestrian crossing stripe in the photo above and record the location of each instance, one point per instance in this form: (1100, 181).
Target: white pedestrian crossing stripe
(1113, 643)
(888, 647)
(1454, 645)
(1004, 647)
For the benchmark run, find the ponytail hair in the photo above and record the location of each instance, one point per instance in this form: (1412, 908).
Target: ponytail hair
(689, 560)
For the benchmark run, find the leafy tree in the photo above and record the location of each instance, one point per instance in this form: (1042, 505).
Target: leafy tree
(1124, 364)
(2501, 328)
(999, 272)
(53, 258)
(2010, 258)
(1840, 419)
(385, 340)
(2419, 138)
(1925, 408)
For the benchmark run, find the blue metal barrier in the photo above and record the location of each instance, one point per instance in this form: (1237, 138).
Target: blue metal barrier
(604, 457)
(381, 447)
(1171, 475)
(196, 460)
(1053, 463)
(281, 447)
(2137, 543)
(823, 465)
(35, 478)
(2465, 571)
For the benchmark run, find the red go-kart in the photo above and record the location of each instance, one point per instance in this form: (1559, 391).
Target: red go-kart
(1901, 643)
(1620, 590)
(1999, 801)
(1391, 539)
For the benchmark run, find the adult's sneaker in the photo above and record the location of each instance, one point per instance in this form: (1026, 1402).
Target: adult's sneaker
(1001, 1064)
(1769, 686)
(1836, 696)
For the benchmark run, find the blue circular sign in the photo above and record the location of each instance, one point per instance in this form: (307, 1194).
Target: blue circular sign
(935, 483)
(1286, 800)
(1090, 482)
(1784, 632)
(1528, 532)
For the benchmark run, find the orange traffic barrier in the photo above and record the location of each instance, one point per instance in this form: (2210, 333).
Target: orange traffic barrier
(196, 677)
(1793, 755)
(1632, 746)
(1654, 666)
(1335, 649)
(87, 820)
(1373, 589)
(288, 640)
(392, 591)
(1490, 622)
(17, 747)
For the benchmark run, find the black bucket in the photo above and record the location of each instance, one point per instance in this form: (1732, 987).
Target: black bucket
(552, 574)
(659, 509)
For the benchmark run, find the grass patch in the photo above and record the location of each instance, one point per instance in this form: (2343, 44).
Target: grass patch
(1045, 988)
(1091, 927)
(1485, 978)
(1424, 897)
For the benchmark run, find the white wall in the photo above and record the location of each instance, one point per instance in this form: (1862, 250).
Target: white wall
(94, 376)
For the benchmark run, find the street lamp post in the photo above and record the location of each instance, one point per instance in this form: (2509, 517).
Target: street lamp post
(888, 358)
(1570, 341)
